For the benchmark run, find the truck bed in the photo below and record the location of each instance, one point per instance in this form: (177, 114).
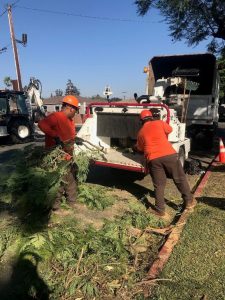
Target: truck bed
(123, 160)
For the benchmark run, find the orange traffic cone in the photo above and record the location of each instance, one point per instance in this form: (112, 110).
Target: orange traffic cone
(222, 152)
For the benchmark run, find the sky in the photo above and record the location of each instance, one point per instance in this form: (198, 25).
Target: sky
(94, 43)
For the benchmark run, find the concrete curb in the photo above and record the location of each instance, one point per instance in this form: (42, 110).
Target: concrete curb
(175, 233)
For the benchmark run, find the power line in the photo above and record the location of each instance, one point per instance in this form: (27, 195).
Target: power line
(3, 13)
(81, 16)
(12, 5)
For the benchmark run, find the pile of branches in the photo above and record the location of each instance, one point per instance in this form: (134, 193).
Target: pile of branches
(37, 177)
(38, 174)
(77, 262)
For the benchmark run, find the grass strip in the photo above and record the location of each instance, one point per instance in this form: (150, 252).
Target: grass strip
(196, 267)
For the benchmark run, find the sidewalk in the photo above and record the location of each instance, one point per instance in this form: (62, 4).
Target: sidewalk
(196, 268)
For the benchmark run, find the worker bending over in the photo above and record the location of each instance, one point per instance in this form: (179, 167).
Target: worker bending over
(162, 160)
(59, 129)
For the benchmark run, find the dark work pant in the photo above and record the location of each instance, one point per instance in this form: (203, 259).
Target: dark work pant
(170, 166)
(68, 187)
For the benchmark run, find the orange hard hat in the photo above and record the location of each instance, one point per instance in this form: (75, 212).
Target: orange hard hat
(71, 100)
(145, 114)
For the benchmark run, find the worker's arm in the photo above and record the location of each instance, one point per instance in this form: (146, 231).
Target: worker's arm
(167, 128)
(139, 146)
(48, 124)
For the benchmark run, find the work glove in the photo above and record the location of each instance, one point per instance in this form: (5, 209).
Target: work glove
(58, 142)
(78, 140)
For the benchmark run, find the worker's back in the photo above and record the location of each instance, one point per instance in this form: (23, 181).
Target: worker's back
(152, 138)
(57, 125)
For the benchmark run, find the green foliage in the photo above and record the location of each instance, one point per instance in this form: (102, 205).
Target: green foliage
(58, 93)
(75, 262)
(82, 160)
(31, 188)
(36, 180)
(71, 89)
(7, 81)
(85, 262)
(7, 238)
(193, 20)
(94, 197)
(142, 219)
(91, 262)
(143, 6)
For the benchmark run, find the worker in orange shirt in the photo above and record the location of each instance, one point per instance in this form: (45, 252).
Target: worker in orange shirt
(59, 129)
(162, 160)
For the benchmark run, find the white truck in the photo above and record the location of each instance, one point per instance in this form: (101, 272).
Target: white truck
(168, 81)
(112, 129)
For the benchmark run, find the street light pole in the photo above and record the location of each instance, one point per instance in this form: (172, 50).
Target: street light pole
(14, 46)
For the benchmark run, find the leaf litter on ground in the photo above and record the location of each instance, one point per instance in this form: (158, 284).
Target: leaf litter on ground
(77, 261)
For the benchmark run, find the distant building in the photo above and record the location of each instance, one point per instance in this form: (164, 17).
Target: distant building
(54, 104)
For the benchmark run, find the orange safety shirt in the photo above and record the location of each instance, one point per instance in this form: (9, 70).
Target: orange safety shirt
(152, 139)
(57, 125)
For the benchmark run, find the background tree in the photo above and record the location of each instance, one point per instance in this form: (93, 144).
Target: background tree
(191, 20)
(71, 89)
(58, 92)
(7, 81)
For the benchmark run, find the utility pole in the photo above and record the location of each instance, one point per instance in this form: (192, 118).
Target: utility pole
(14, 46)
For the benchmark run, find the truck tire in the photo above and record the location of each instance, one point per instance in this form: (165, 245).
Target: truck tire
(181, 156)
(20, 132)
